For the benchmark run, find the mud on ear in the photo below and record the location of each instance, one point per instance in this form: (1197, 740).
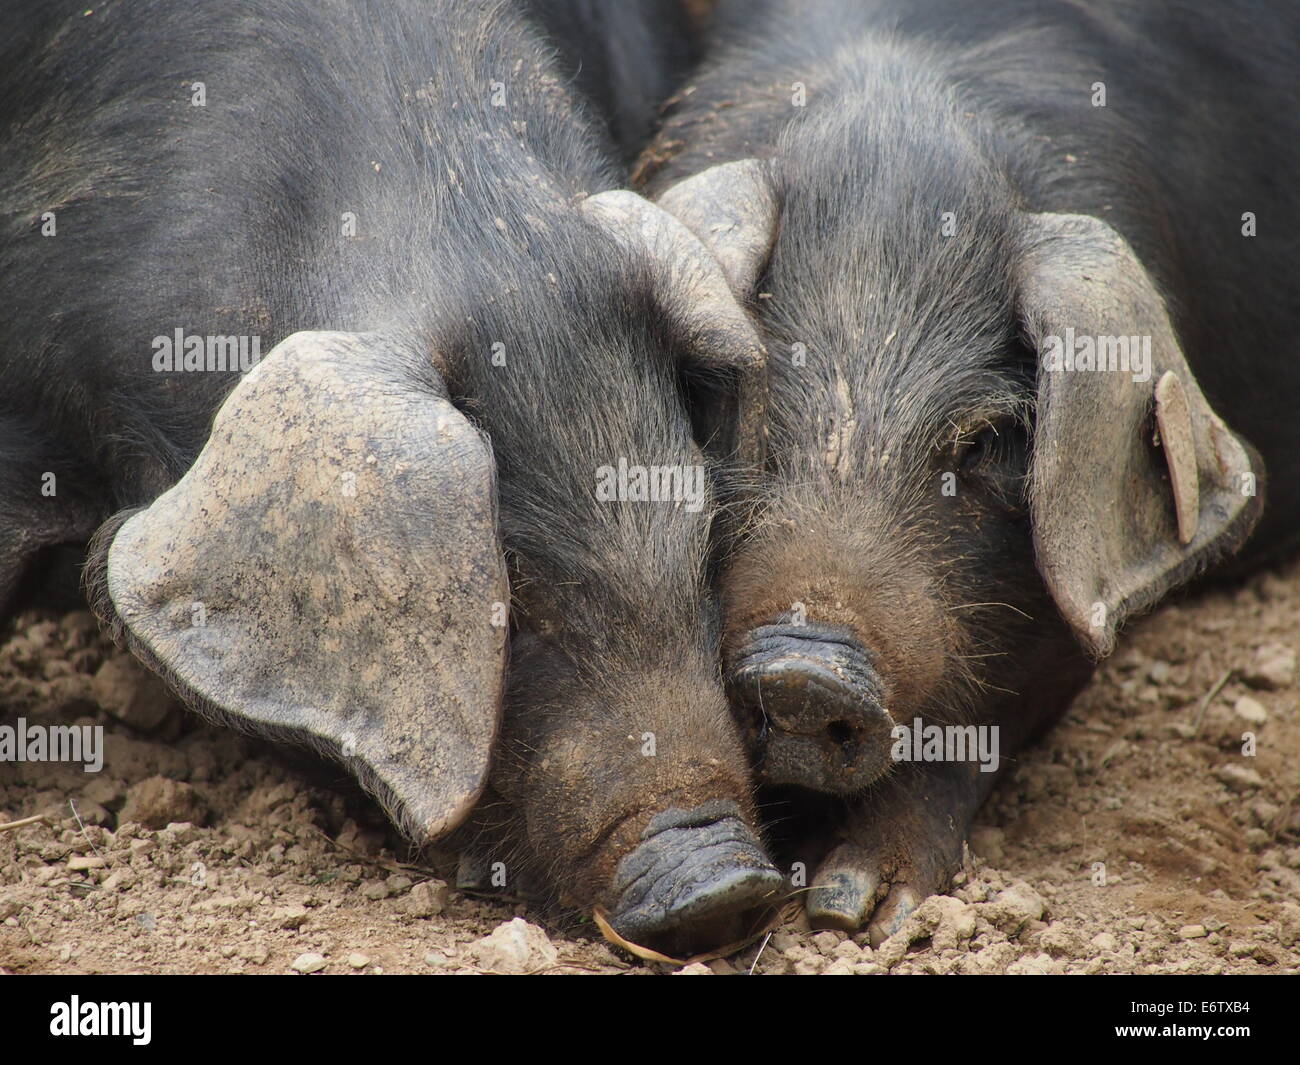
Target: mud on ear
(1136, 484)
(329, 571)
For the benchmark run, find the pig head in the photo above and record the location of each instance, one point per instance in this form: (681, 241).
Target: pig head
(336, 570)
(954, 522)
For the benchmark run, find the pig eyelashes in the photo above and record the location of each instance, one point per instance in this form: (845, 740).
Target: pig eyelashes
(995, 443)
(997, 457)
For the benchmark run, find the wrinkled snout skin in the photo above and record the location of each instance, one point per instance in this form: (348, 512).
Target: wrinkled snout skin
(816, 703)
(693, 879)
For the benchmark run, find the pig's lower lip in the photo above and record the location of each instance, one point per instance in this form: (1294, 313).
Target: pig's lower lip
(814, 702)
(693, 881)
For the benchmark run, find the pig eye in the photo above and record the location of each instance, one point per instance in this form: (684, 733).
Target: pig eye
(985, 447)
(997, 460)
(977, 452)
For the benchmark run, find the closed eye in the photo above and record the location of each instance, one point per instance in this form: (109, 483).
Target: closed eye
(980, 450)
(997, 459)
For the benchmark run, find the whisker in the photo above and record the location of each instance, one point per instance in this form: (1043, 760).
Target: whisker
(1009, 606)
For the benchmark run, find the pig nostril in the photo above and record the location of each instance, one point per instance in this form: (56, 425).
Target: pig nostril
(840, 732)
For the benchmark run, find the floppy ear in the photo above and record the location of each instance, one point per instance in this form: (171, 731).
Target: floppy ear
(733, 211)
(1136, 484)
(329, 571)
(694, 290)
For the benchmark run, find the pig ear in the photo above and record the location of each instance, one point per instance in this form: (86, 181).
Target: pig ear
(733, 210)
(329, 571)
(693, 290)
(1136, 484)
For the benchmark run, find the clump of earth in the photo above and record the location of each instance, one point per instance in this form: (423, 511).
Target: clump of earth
(1145, 834)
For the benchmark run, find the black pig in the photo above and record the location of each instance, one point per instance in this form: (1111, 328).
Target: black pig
(323, 535)
(934, 207)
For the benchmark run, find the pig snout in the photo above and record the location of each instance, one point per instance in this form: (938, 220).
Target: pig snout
(815, 704)
(696, 879)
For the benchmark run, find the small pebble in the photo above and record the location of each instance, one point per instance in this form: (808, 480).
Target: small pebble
(1272, 668)
(308, 963)
(1250, 710)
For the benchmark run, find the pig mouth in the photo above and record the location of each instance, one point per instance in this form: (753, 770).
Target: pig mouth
(812, 704)
(697, 879)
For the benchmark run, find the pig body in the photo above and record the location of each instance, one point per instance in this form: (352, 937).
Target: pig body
(925, 202)
(380, 507)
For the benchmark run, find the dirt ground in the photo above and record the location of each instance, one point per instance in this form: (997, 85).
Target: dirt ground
(1137, 838)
